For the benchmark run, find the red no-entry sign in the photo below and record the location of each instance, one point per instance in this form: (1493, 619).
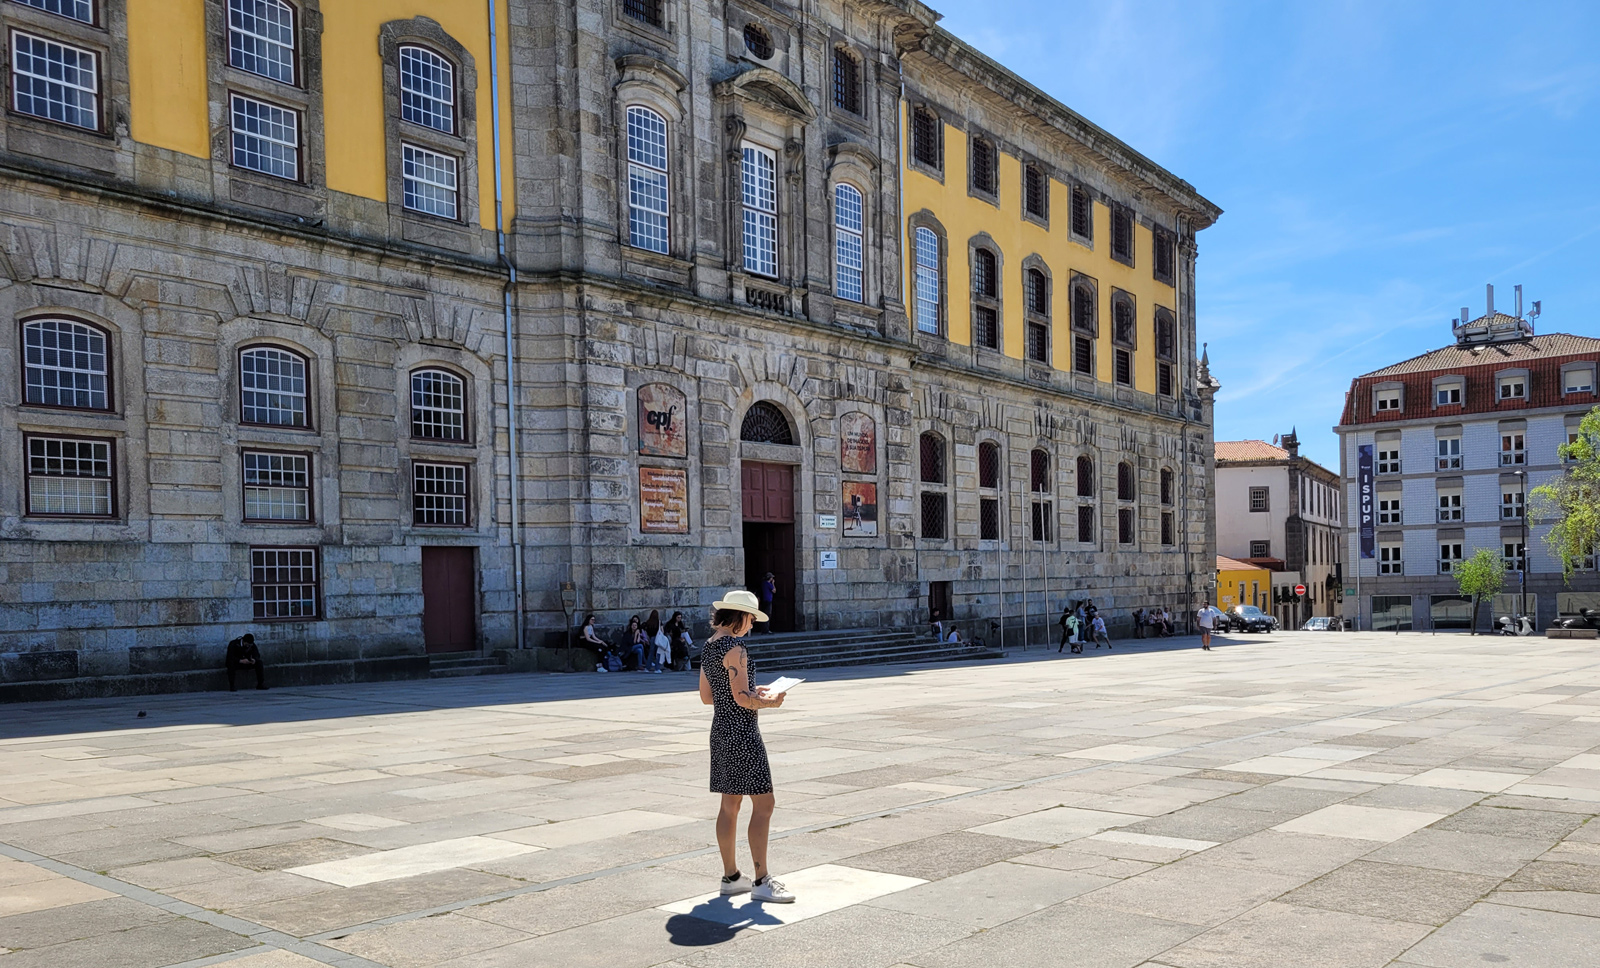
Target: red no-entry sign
(1299, 589)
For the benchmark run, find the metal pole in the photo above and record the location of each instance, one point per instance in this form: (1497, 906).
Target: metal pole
(1522, 556)
(1025, 542)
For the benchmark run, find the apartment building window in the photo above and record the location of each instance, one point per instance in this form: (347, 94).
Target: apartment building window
(1389, 560)
(80, 10)
(1449, 505)
(266, 138)
(1510, 502)
(935, 510)
(846, 81)
(1447, 395)
(1513, 387)
(648, 218)
(261, 38)
(985, 302)
(438, 405)
(1515, 557)
(985, 167)
(1082, 214)
(1389, 510)
(1166, 352)
(1449, 452)
(1122, 235)
(645, 11)
(929, 282)
(65, 364)
(277, 487)
(272, 387)
(1035, 192)
(285, 584)
(847, 242)
(1260, 549)
(1388, 459)
(1449, 556)
(70, 477)
(1260, 499)
(427, 89)
(1511, 450)
(55, 81)
(439, 494)
(1578, 380)
(1084, 326)
(429, 181)
(1039, 484)
(927, 146)
(1387, 400)
(760, 199)
(1038, 302)
(1163, 257)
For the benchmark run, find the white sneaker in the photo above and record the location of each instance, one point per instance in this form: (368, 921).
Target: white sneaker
(739, 885)
(771, 890)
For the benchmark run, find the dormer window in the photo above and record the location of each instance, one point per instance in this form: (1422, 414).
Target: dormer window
(1514, 387)
(1578, 379)
(1388, 400)
(1447, 394)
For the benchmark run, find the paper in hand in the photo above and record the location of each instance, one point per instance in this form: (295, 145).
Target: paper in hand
(782, 684)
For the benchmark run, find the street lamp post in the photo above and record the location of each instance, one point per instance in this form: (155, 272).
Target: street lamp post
(1522, 556)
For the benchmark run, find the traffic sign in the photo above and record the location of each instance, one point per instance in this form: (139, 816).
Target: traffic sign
(1299, 589)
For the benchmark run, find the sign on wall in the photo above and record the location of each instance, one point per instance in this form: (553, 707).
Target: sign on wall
(663, 413)
(828, 559)
(663, 500)
(859, 505)
(858, 444)
(1365, 516)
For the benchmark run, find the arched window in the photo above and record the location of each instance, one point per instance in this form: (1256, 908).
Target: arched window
(1167, 528)
(1085, 328)
(930, 285)
(1166, 351)
(988, 464)
(988, 480)
(759, 188)
(261, 38)
(438, 405)
(1086, 476)
(846, 81)
(935, 503)
(65, 364)
(847, 245)
(647, 180)
(1166, 486)
(273, 387)
(764, 423)
(427, 89)
(1043, 510)
(1124, 481)
(932, 458)
(1039, 478)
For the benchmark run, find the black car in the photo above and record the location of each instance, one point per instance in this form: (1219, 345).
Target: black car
(1248, 618)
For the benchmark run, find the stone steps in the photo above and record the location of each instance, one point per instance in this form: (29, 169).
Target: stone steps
(449, 666)
(788, 651)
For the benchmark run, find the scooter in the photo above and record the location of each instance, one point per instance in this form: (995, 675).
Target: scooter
(1521, 625)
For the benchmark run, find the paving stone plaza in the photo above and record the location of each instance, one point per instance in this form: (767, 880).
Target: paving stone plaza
(1286, 800)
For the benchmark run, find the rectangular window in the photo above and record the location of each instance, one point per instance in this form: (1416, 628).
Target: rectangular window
(55, 81)
(430, 181)
(82, 10)
(1122, 235)
(1449, 453)
(1082, 213)
(1449, 506)
(1260, 499)
(1085, 524)
(925, 139)
(261, 38)
(1513, 387)
(986, 327)
(1164, 379)
(983, 166)
(266, 138)
(933, 514)
(1035, 191)
(1042, 512)
(989, 519)
(846, 81)
(1580, 380)
(1166, 527)
(1125, 526)
(65, 364)
(647, 180)
(277, 487)
(1447, 395)
(759, 181)
(1511, 450)
(1389, 460)
(284, 583)
(439, 494)
(1124, 368)
(1510, 503)
(1389, 560)
(1038, 342)
(1449, 556)
(1514, 557)
(1083, 354)
(1164, 260)
(1388, 400)
(847, 252)
(1260, 549)
(1389, 510)
(646, 11)
(70, 477)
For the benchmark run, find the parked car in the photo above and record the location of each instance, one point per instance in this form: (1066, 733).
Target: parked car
(1248, 618)
(1318, 623)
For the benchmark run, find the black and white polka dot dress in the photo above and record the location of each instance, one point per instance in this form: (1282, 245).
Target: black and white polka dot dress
(738, 756)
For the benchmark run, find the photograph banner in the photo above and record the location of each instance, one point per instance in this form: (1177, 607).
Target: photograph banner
(859, 509)
(663, 500)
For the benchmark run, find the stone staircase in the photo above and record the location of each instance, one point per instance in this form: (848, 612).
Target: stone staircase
(787, 651)
(448, 665)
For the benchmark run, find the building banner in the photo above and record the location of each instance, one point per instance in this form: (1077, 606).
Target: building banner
(858, 444)
(662, 414)
(860, 509)
(663, 500)
(1364, 494)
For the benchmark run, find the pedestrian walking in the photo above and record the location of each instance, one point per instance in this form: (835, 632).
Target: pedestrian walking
(1206, 616)
(739, 766)
(1080, 627)
(1099, 626)
(1066, 628)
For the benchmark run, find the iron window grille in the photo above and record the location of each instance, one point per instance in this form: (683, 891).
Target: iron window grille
(934, 513)
(71, 477)
(1043, 511)
(925, 147)
(1163, 258)
(846, 81)
(1125, 526)
(1124, 368)
(439, 495)
(847, 247)
(1164, 379)
(984, 169)
(1035, 192)
(988, 465)
(1260, 549)
(931, 452)
(65, 364)
(427, 89)
(266, 138)
(1166, 486)
(983, 273)
(1166, 527)
(985, 288)
(759, 186)
(764, 423)
(1039, 467)
(1123, 321)
(438, 405)
(429, 181)
(1260, 499)
(988, 519)
(1085, 477)
(648, 194)
(1082, 213)
(272, 387)
(758, 42)
(285, 584)
(929, 283)
(1083, 355)
(55, 81)
(1038, 342)
(261, 38)
(986, 327)
(1122, 235)
(277, 487)
(645, 11)
(80, 10)
(1085, 524)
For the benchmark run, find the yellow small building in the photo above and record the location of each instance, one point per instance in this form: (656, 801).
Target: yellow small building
(1242, 583)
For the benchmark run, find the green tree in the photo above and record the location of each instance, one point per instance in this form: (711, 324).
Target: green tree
(1571, 502)
(1480, 576)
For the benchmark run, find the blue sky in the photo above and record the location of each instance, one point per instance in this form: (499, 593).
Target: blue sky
(1377, 163)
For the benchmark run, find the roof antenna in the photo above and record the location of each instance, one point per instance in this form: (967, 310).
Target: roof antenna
(1489, 287)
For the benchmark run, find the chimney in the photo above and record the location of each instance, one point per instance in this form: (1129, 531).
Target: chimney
(1519, 301)
(1490, 288)
(1291, 443)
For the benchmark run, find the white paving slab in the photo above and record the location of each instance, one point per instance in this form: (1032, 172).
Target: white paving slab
(1117, 751)
(1151, 840)
(1481, 781)
(1281, 765)
(1384, 824)
(387, 865)
(818, 890)
(356, 821)
(600, 827)
(1057, 825)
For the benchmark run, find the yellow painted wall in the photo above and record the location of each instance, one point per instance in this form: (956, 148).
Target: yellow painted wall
(1230, 583)
(964, 216)
(167, 74)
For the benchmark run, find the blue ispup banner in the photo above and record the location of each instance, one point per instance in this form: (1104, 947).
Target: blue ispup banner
(1364, 494)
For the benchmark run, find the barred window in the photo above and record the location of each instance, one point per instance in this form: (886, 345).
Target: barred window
(65, 364)
(765, 423)
(934, 514)
(439, 494)
(1166, 335)
(986, 327)
(1123, 320)
(1125, 488)
(1122, 234)
(277, 487)
(1125, 526)
(75, 9)
(985, 289)
(261, 38)
(1039, 466)
(989, 519)
(427, 89)
(647, 11)
(1043, 511)
(925, 140)
(759, 181)
(1166, 486)
(1085, 524)
(984, 176)
(1166, 527)
(285, 583)
(758, 42)
(429, 181)
(983, 273)
(929, 283)
(1035, 192)
(648, 217)
(931, 447)
(847, 257)
(438, 405)
(1082, 213)
(1083, 310)
(266, 138)
(55, 81)
(272, 387)
(1163, 256)
(1038, 342)
(1260, 499)
(1164, 379)
(1083, 354)
(1085, 477)
(70, 477)
(1124, 367)
(846, 81)
(988, 464)
(1038, 293)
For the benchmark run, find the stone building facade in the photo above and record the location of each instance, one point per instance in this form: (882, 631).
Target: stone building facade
(255, 373)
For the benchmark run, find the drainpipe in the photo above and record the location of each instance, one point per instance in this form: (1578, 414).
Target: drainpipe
(1183, 451)
(514, 469)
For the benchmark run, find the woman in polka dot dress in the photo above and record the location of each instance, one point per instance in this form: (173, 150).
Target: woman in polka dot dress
(738, 756)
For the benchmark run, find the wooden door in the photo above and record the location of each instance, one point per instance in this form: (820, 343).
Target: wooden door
(449, 594)
(767, 492)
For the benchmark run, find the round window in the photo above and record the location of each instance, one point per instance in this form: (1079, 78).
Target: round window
(758, 41)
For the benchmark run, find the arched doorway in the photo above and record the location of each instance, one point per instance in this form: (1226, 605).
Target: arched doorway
(767, 506)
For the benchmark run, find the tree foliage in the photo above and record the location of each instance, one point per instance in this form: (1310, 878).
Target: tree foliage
(1481, 576)
(1571, 502)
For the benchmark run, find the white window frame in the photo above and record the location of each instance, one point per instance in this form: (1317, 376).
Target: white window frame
(1449, 505)
(1266, 549)
(1449, 452)
(1265, 502)
(1513, 449)
(1511, 506)
(86, 104)
(929, 279)
(441, 495)
(1583, 373)
(245, 40)
(758, 181)
(83, 11)
(242, 144)
(87, 474)
(79, 371)
(1388, 464)
(649, 188)
(1512, 387)
(279, 391)
(1390, 561)
(1449, 556)
(434, 407)
(1386, 400)
(430, 182)
(849, 246)
(1389, 509)
(276, 486)
(421, 102)
(1515, 555)
(1443, 392)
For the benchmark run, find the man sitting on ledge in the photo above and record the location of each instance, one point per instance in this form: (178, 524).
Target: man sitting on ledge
(243, 654)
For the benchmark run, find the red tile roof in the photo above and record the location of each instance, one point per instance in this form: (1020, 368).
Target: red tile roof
(1249, 450)
(1225, 563)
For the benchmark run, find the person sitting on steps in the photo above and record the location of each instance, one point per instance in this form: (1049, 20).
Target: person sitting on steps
(243, 654)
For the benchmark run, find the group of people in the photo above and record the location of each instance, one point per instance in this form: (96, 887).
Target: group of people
(1082, 622)
(1152, 622)
(646, 646)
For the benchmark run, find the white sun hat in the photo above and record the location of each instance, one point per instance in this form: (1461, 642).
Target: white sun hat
(740, 600)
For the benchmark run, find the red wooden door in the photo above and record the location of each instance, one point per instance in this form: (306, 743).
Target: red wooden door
(449, 593)
(767, 492)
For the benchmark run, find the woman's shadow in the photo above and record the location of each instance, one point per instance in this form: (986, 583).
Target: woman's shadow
(715, 921)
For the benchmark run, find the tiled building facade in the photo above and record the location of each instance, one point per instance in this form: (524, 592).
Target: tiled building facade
(257, 372)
